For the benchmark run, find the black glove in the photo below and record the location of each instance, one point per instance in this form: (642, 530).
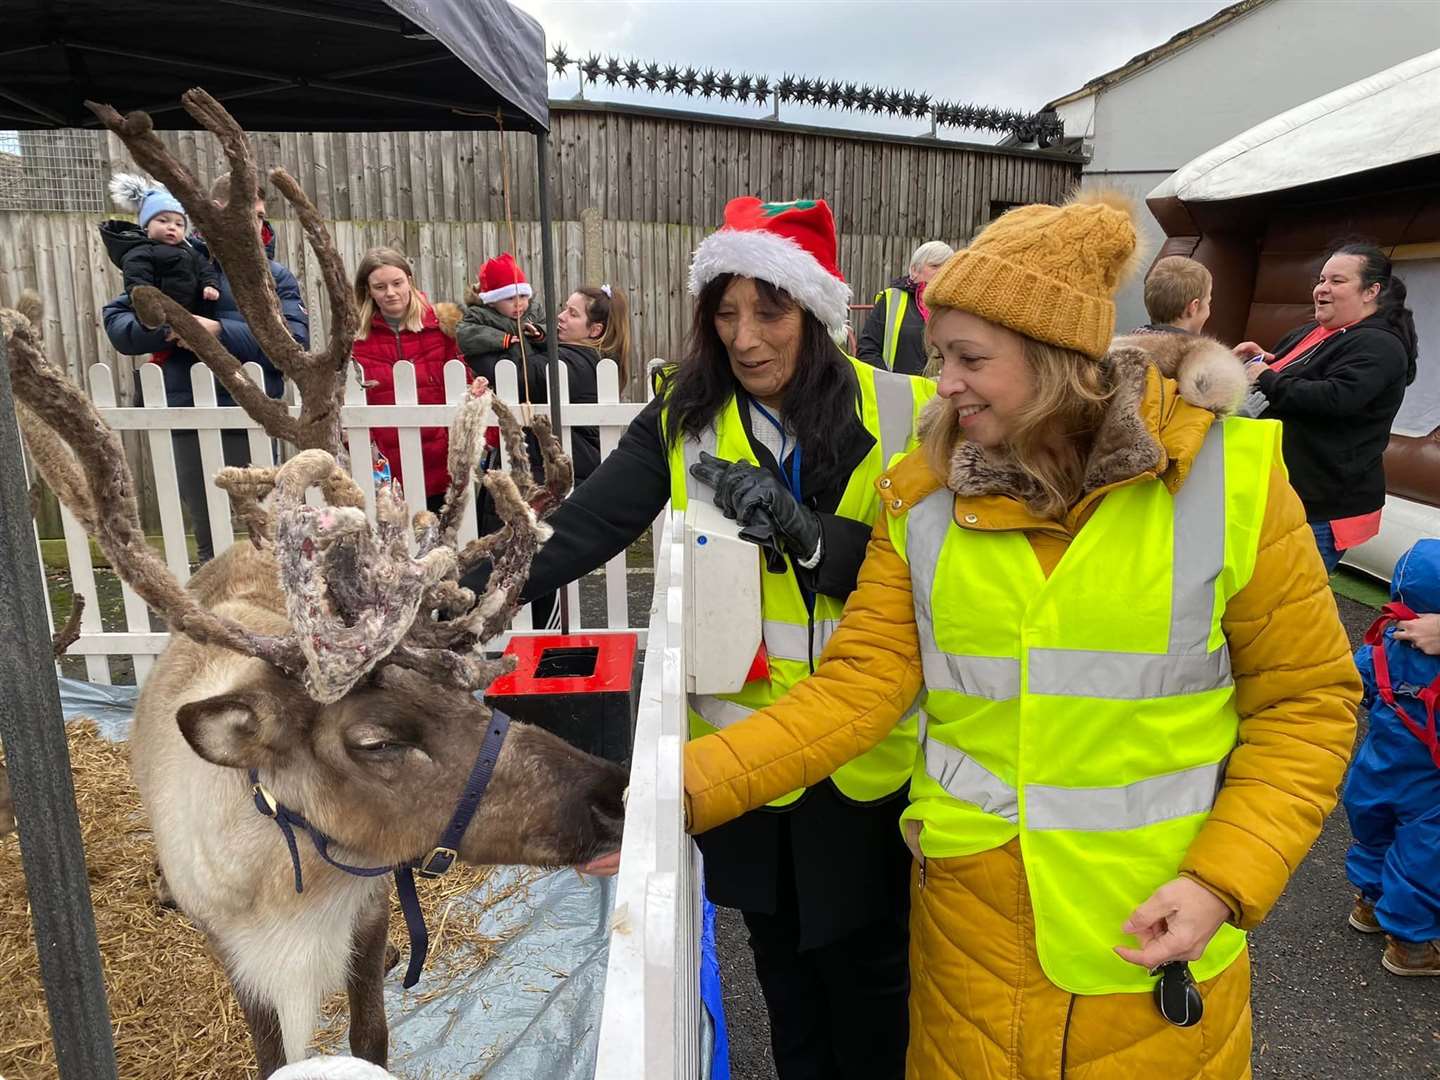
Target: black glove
(761, 503)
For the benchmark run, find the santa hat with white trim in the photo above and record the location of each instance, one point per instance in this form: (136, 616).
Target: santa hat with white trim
(502, 279)
(791, 245)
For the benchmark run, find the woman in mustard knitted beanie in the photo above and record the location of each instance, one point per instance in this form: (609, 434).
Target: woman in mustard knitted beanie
(1135, 694)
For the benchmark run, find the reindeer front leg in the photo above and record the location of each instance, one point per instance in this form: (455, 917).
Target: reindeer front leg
(365, 985)
(264, 1024)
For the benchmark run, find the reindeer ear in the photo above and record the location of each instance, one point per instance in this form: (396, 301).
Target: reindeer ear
(245, 729)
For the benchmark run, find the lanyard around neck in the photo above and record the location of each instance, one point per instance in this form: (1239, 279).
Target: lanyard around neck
(792, 481)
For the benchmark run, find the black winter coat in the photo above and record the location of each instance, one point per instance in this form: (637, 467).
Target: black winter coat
(132, 337)
(486, 337)
(580, 363)
(1337, 403)
(849, 866)
(910, 353)
(179, 271)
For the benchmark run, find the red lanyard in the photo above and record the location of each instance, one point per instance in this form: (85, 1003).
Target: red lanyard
(1375, 638)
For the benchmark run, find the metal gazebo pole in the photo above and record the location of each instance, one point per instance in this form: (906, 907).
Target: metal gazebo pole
(552, 298)
(38, 762)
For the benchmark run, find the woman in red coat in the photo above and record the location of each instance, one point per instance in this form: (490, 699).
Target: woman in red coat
(398, 322)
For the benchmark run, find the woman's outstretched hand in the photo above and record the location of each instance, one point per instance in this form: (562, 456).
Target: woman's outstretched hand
(607, 865)
(1176, 923)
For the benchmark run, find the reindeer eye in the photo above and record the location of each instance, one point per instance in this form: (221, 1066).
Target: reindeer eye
(375, 742)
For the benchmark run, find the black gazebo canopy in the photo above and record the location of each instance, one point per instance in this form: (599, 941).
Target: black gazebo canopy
(277, 65)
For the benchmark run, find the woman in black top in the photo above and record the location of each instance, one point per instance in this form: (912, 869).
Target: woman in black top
(1336, 384)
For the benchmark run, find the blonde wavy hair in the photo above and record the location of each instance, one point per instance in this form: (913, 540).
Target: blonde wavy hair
(374, 259)
(1072, 391)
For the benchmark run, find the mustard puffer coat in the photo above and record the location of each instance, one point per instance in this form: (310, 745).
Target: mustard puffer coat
(981, 1007)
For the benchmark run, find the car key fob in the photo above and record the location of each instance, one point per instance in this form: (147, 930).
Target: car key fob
(1176, 995)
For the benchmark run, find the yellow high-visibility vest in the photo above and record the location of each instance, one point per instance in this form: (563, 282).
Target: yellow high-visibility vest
(896, 301)
(889, 409)
(1090, 713)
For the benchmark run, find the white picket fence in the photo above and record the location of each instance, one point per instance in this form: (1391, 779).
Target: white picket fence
(157, 420)
(652, 1024)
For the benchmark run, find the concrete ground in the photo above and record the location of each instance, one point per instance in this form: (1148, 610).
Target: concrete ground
(1324, 1007)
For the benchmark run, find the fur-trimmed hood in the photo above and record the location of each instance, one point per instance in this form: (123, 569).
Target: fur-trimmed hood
(1148, 373)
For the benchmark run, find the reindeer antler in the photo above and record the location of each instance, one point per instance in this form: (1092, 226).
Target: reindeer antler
(232, 236)
(357, 599)
(95, 483)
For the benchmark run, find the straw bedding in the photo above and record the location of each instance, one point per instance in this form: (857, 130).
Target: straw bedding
(171, 1008)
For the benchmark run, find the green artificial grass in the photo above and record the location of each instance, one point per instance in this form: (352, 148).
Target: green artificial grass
(1362, 588)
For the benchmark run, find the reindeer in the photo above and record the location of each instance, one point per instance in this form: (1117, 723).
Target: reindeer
(320, 676)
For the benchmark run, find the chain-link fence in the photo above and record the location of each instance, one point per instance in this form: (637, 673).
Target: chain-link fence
(51, 170)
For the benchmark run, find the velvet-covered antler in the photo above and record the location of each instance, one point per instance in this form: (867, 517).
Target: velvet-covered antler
(83, 462)
(356, 597)
(234, 239)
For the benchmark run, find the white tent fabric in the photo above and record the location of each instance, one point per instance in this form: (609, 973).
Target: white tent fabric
(1385, 119)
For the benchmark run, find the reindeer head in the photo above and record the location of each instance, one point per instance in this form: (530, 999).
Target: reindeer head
(362, 711)
(381, 770)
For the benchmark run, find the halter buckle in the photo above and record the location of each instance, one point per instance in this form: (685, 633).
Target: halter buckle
(264, 801)
(437, 863)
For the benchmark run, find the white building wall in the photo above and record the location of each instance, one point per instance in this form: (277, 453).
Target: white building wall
(1278, 56)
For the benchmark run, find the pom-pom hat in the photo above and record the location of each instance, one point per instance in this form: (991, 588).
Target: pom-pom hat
(790, 244)
(1048, 272)
(143, 197)
(502, 279)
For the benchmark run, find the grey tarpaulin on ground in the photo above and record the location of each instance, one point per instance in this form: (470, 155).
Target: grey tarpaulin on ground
(531, 1013)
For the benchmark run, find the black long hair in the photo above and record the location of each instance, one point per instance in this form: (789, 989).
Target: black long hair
(1375, 269)
(818, 403)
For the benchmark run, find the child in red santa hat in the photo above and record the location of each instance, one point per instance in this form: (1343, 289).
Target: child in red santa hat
(501, 318)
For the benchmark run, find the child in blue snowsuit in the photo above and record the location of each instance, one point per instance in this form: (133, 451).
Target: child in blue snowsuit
(1392, 796)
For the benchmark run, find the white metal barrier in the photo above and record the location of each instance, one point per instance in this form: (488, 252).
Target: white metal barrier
(157, 420)
(653, 1022)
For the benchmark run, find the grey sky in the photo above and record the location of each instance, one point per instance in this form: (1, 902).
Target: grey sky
(1017, 55)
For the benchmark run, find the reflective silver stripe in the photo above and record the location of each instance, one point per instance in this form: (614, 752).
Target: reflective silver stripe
(966, 779)
(924, 537)
(895, 302)
(695, 491)
(1199, 546)
(895, 404)
(1130, 806)
(996, 678)
(717, 712)
(1189, 667)
(791, 641)
(1118, 676)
